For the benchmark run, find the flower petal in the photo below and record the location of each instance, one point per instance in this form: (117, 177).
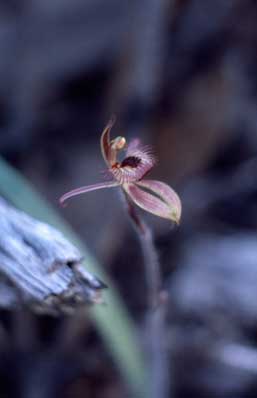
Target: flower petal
(166, 193)
(156, 197)
(138, 162)
(145, 156)
(105, 141)
(88, 188)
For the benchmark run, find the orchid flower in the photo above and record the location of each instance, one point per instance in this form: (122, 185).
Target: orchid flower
(156, 197)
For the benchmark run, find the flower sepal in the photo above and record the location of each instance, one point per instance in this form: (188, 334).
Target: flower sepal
(156, 197)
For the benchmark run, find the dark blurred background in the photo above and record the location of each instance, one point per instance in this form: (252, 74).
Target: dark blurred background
(181, 75)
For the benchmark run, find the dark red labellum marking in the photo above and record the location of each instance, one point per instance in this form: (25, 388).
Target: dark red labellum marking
(131, 161)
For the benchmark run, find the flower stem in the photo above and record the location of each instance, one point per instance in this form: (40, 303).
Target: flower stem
(155, 319)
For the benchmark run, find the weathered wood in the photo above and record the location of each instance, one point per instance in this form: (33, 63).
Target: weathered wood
(40, 267)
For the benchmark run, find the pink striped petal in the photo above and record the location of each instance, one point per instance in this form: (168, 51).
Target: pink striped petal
(88, 188)
(166, 193)
(155, 197)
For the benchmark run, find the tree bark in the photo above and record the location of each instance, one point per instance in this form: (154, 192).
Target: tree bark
(40, 268)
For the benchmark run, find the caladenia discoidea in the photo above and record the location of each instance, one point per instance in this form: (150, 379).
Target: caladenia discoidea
(128, 173)
(156, 197)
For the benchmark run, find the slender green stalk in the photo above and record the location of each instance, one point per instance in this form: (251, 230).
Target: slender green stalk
(155, 317)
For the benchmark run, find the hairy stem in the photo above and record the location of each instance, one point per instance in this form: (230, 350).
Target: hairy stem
(155, 319)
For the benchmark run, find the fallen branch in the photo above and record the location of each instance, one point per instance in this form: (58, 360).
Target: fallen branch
(39, 267)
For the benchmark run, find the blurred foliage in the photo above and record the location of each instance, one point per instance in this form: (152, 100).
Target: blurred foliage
(112, 320)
